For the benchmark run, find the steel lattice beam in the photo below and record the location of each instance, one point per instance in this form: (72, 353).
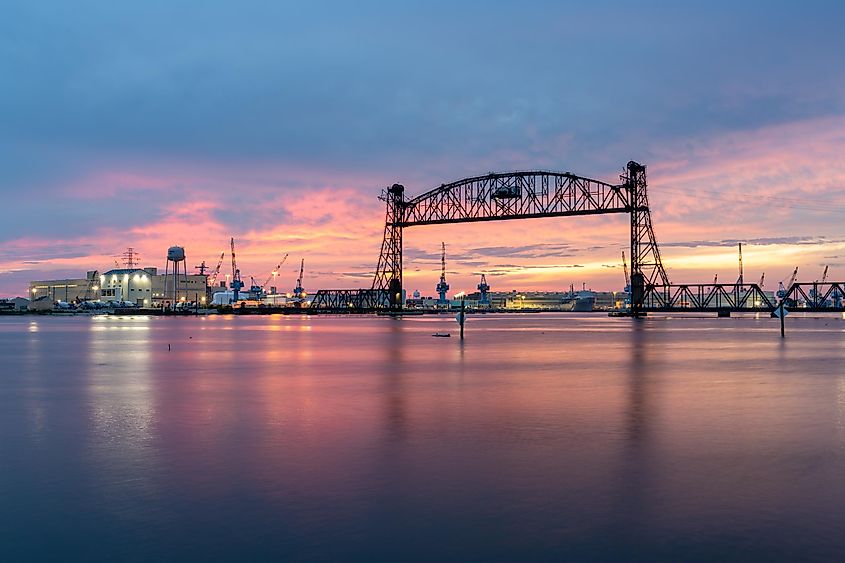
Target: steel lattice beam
(358, 300)
(515, 195)
(806, 296)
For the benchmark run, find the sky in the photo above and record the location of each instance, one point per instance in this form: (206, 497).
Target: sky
(157, 123)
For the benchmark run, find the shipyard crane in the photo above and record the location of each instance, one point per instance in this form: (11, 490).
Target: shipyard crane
(762, 279)
(236, 284)
(782, 290)
(483, 289)
(442, 286)
(298, 292)
(740, 280)
(275, 271)
(627, 277)
(254, 289)
(716, 279)
(814, 292)
(212, 279)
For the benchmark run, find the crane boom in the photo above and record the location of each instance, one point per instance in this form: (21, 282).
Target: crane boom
(824, 275)
(792, 278)
(625, 269)
(236, 285)
(212, 279)
(234, 263)
(276, 270)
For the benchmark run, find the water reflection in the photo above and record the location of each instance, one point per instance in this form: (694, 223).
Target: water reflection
(316, 438)
(121, 414)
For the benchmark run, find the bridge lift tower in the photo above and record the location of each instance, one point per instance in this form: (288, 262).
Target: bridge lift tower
(442, 286)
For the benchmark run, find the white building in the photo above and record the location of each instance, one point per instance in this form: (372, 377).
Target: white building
(146, 287)
(128, 285)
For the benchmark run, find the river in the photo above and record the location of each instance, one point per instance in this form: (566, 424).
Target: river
(538, 437)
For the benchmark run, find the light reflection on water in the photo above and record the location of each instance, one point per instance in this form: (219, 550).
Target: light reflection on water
(539, 437)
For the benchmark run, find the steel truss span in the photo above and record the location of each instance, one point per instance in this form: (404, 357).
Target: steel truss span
(349, 300)
(513, 195)
(516, 195)
(800, 296)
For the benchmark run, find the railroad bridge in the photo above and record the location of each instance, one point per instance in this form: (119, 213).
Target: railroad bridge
(537, 194)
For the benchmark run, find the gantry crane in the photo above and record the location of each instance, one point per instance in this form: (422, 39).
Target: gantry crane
(254, 288)
(298, 292)
(782, 290)
(236, 285)
(483, 289)
(442, 286)
(814, 292)
(627, 277)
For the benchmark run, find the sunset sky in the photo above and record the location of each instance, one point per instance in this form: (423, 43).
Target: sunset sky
(155, 123)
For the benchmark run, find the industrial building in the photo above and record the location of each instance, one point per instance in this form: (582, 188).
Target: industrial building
(67, 290)
(552, 300)
(14, 305)
(144, 287)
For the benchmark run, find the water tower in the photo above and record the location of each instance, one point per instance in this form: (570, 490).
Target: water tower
(173, 271)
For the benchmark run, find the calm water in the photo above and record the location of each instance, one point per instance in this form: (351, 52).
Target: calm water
(542, 437)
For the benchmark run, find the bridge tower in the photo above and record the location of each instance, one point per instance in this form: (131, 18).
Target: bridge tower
(388, 279)
(442, 286)
(646, 266)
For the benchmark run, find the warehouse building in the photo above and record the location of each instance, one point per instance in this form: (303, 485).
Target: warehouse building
(144, 287)
(67, 290)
